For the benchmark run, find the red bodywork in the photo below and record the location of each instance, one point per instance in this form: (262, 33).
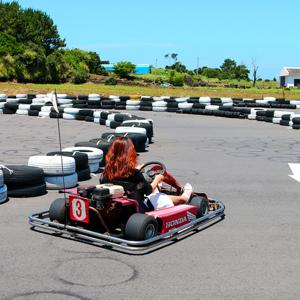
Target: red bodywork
(174, 217)
(168, 218)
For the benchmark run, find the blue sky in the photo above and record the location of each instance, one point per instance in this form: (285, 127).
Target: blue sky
(143, 31)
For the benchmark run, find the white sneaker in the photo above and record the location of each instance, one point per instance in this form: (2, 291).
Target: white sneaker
(187, 191)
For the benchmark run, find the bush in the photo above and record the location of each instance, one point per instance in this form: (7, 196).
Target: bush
(176, 80)
(111, 81)
(159, 80)
(124, 68)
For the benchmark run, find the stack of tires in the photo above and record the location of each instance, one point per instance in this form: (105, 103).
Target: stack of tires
(133, 104)
(24, 181)
(3, 188)
(60, 171)
(296, 122)
(94, 101)
(95, 156)
(146, 124)
(81, 162)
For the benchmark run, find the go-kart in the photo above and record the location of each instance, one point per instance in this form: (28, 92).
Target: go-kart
(104, 215)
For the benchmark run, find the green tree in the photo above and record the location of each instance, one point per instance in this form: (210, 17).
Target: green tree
(228, 69)
(123, 69)
(241, 72)
(178, 67)
(211, 72)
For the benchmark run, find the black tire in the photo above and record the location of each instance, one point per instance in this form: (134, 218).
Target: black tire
(121, 117)
(23, 176)
(58, 210)
(140, 227)
(86, 112)
(29, 191)
(33, 113)
(89, 119)
(201, 203)
(84, 174)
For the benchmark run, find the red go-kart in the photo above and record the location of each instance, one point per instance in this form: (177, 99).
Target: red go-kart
(104, 215)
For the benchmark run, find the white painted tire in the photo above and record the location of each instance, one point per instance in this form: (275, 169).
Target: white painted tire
(61, 96)
(71, 110)
(136, 121)
(97, 120)
(111, 117)
(212, 107)
(159, 104)
(94, 167)
(97, 114)
(59, 182)
(133, 102)
(24, 96)
(276, 120)
(2, 104)
(44, 114)
(181, 99)
(12, 100)
(52, 164)
(68, 116)
(279, 113)
(38, 101)
(3, 193)
(124, 129)
(159, 109)
(66, 105)
(185, 106)
(107, 123)
(22, 112)
(46, 108)
(92, 153)
(132, 107)
(252, 117)
(1, 111)
(24, 106)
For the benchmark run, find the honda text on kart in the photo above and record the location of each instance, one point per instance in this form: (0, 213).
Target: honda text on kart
(103, 215)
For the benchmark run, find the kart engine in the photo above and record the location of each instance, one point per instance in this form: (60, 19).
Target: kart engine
(103, 193)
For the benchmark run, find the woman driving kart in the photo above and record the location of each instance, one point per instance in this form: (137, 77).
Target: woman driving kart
(121, 169)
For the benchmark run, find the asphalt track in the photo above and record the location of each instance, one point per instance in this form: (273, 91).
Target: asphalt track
(252, 254)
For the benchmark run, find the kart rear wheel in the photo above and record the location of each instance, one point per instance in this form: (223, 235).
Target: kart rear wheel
(57, 210)
(140, 227)
(201, 203)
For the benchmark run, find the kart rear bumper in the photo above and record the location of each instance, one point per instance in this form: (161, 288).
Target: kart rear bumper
(41, 220)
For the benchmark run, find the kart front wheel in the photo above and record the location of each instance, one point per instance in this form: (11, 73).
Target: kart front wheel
(57, 210)
(140, 227)
(202, 204)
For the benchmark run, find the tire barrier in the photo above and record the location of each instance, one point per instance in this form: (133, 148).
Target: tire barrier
(82, 107)
(24, 181)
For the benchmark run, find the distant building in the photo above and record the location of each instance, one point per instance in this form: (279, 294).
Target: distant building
(290, 77)
(139, 69)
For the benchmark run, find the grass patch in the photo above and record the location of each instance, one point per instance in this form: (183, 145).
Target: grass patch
(15, 88)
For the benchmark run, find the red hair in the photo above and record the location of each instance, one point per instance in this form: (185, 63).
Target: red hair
(121, 159)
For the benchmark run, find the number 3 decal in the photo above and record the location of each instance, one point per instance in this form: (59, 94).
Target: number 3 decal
(79, 209)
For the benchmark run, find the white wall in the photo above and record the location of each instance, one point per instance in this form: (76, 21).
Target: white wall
(289, 81)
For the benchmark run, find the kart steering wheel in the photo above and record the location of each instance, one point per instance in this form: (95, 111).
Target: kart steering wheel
(150, 172)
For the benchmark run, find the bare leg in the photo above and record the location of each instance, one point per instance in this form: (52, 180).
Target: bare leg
(178, 199)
